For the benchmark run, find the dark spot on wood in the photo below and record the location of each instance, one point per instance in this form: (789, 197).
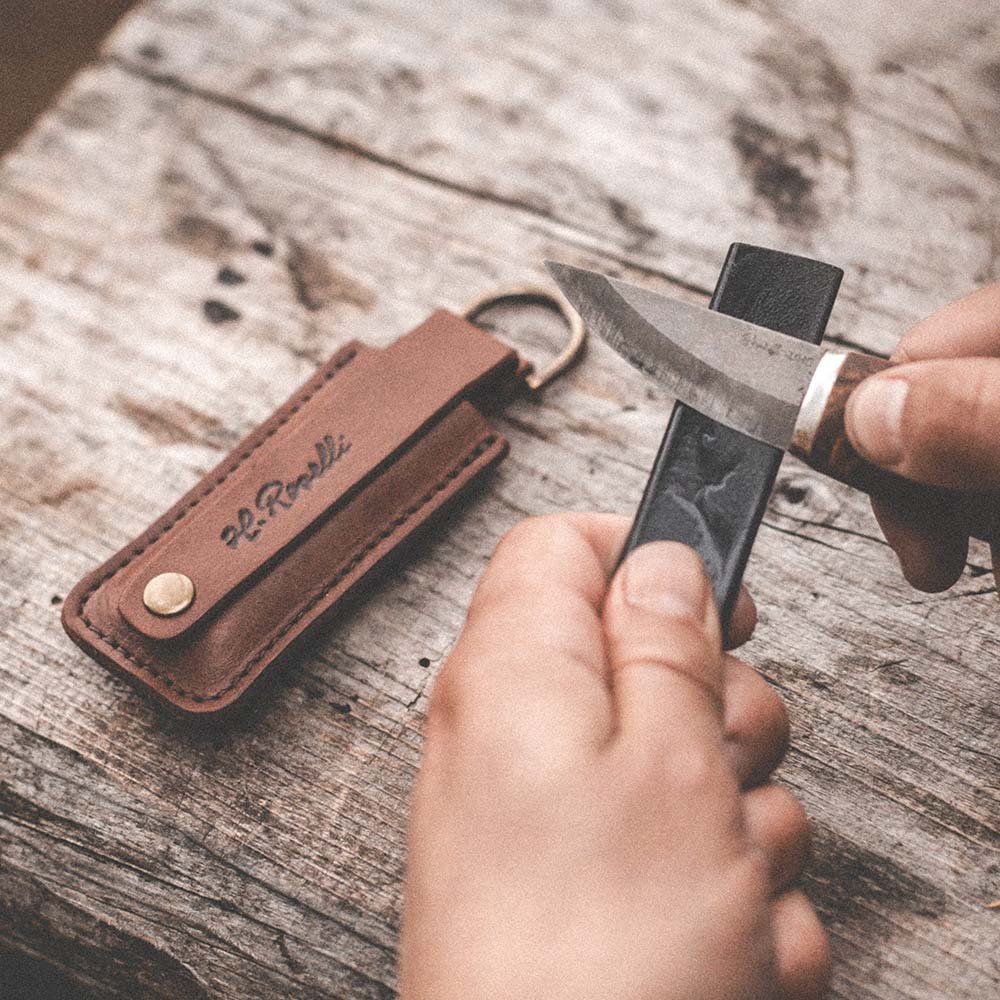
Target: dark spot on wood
(768, 162)
(526, 428)
(990, 74)
(218, 312)
(424, 661)
(56, 600)
(228, 276)
(87, 110)
(151, 51)
(807, 69)
(262, 247)
(255, 809)
(793, 494)
(312, 692)
(403, 78)
(171, 422)
(511, 115)
(835, 82)
(342, 708)
(293, 966)
(318, 284)
(889, 66)
(630, 219)
(17, 319)
(895, 673)
(58, 496)
(200, 235)
(26, 392)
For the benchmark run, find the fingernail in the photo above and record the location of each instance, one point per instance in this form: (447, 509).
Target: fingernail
(875, 413)
(666, 578)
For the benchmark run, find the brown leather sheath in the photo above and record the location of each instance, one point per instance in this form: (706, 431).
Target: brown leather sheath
(299, 513)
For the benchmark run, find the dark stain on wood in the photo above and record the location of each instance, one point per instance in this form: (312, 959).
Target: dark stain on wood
(808, 71)
(230, 276)
(318, 284)
(200, 235)
(403, 79)
(172, 422)
(101, 960)
(768, 161)
(88, 110)
(860, 889)
(630, 219)
(24, 977)
(990, 74)
(151, 52)
(219, 312)
(58, 496)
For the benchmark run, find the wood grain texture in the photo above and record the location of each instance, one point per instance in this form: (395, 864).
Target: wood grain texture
(238, 188)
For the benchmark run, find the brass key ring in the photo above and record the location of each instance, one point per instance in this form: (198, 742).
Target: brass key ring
(551, 299)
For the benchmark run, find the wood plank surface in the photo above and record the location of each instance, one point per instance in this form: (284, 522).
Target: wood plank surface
(355, 164)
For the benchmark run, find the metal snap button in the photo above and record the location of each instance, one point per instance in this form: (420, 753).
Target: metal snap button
(168, 594)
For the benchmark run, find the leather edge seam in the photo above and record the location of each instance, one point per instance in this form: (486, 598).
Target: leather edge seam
(481, 447)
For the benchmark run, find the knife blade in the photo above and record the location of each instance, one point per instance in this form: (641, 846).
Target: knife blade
(769, 386)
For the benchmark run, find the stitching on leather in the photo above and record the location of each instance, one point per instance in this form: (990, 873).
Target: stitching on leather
(240, 459)
(347, 568)
(212, 487)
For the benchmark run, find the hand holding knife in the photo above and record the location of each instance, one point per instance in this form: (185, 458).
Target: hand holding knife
(769, 386)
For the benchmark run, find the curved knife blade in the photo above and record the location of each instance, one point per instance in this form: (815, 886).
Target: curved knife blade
(742, 375)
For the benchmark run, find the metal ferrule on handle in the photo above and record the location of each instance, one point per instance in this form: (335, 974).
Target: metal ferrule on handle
(814, 403)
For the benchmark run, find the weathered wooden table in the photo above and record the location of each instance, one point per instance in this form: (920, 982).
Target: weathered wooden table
(358, 164)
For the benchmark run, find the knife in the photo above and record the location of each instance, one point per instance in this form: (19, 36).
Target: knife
(766, 385)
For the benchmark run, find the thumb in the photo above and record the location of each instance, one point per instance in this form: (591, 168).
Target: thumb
(665, 654)
(932, 421)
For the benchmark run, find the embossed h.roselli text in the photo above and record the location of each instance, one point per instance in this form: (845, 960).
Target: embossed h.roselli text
(277, 495)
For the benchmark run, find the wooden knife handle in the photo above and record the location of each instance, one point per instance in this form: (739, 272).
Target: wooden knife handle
(821, 441)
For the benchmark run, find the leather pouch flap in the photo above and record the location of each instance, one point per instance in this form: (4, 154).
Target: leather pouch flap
(362, 410)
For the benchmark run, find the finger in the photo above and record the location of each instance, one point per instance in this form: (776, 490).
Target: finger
(664, 650)
(932, 555)
(969, 327)
(532, 644)
(801, 948)
(742, 621)
(755, 723)
(932, 421)
(777, 825)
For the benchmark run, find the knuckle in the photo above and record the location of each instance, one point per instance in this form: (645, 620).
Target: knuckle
(528, 535)
(527, 743)
(810, 964)
(776, 724)
(682, 647)
(793, 828)
(442, 704)
(524, 545)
